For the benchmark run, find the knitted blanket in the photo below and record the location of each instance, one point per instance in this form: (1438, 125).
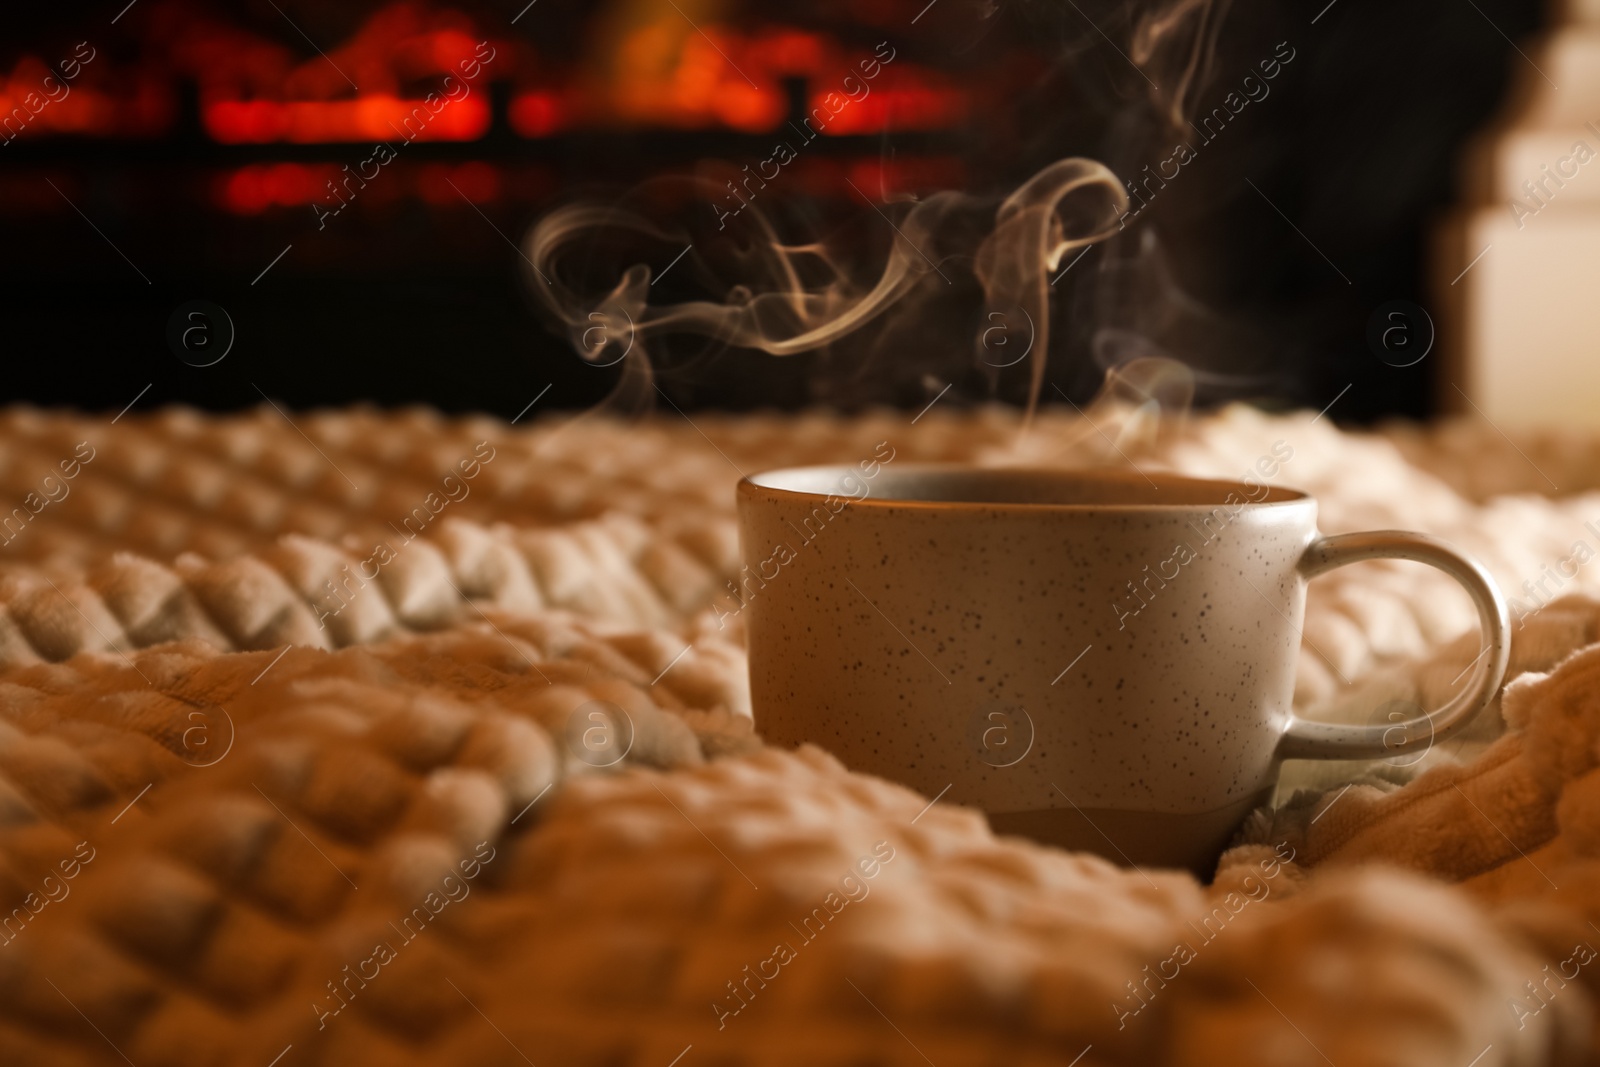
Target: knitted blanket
(386, 738)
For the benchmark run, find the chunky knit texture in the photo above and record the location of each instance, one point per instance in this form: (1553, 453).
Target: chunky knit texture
(493, 796)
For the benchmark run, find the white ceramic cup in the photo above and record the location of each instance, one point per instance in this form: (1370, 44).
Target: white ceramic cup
(1103, 661)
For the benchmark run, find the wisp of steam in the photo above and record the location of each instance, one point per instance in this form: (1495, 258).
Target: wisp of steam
(786, 299)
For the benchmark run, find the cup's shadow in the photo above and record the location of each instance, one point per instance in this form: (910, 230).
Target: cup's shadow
(1135, 839)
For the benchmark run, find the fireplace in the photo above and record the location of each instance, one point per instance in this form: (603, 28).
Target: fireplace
(230, 155)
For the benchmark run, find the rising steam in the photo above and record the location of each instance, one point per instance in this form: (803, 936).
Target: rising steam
(785, 299)
(799, 298)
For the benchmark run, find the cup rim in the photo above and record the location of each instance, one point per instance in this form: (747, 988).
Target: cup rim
(1228, 493)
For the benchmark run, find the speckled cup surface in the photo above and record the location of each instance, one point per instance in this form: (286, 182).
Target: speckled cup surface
(1100, 660)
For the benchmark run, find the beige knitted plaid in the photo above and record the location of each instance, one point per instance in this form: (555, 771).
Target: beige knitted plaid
(271, 795)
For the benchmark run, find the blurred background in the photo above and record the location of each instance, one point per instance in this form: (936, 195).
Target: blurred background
(199, 158)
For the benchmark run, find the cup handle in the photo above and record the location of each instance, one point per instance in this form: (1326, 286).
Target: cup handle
(1316, 740)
